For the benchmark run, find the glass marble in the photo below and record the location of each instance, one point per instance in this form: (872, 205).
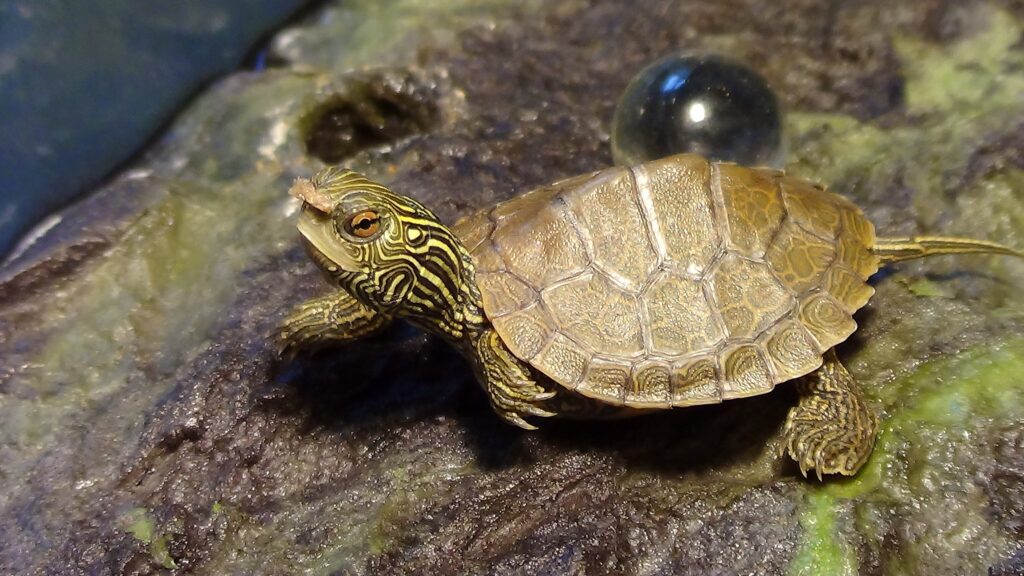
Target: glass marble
(700, 103)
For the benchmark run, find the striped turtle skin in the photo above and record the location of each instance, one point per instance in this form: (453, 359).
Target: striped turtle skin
(673, 283)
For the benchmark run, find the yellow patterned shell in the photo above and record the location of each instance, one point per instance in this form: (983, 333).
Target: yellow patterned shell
(673, 283)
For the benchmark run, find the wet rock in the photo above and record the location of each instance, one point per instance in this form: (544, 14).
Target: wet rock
(145, 425)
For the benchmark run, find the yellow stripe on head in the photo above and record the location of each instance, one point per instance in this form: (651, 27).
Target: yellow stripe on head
(398, 258)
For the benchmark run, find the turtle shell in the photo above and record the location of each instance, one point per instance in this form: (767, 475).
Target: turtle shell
(673, 283)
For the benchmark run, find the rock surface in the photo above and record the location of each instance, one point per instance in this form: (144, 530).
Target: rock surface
(145, 426)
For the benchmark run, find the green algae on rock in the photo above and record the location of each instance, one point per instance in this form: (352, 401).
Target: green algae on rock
(922, 480)
(927, 484)
(138, 523)
(136, 365)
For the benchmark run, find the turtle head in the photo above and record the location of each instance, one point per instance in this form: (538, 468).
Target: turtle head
(387, 250)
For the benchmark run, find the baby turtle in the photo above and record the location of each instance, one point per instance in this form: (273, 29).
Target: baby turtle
(672, 283)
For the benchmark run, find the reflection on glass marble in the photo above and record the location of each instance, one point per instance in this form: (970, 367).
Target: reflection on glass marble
(706, 104)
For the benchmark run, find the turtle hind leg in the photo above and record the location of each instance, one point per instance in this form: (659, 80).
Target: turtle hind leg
(329, 320)
(831, 429)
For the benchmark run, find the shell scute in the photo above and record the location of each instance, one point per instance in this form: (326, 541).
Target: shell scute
(563, 360)
(854, 254)
(607, 213)
(679, 316)
(827, 322)
(799, 258)
(606, 380)
(651, 385)
(506, 292)
(748, 296)
(540, 245)
(528, 330)
(754, 207)
(696, 381)
(790, 350)
(850, 290)
(744, 372)
(597, 314)
(474, 229)
(676, 196)
(487, 260)
(811, 206)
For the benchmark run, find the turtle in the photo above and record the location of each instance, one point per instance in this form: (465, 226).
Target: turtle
(672, 283)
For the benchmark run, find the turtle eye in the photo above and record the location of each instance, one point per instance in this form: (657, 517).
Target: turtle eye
(363, 224)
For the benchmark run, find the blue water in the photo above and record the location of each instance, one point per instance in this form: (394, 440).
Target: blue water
(83, 85)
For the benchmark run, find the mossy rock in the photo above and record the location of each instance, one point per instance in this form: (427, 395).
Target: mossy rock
(147, 427)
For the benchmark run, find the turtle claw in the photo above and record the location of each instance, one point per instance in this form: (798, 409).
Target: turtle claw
(330, 320)
(803, 470)
(517, 420)
(286, 346)
(512, 403)
(537, 411)
(287, 342)
(508, 381)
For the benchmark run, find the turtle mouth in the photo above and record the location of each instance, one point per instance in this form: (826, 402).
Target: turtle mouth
(317, 229)
(315, 219)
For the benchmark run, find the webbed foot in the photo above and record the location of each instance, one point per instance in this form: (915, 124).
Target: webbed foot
(513, 391)
(330, 320)
(832, 429)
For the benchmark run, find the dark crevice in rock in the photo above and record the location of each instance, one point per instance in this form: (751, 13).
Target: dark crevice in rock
(370, 111)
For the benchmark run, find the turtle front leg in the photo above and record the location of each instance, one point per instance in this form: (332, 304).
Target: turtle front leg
(831, 429)
(508, 381)
(329, 320)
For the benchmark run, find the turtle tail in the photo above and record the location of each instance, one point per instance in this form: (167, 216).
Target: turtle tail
(899, 249)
